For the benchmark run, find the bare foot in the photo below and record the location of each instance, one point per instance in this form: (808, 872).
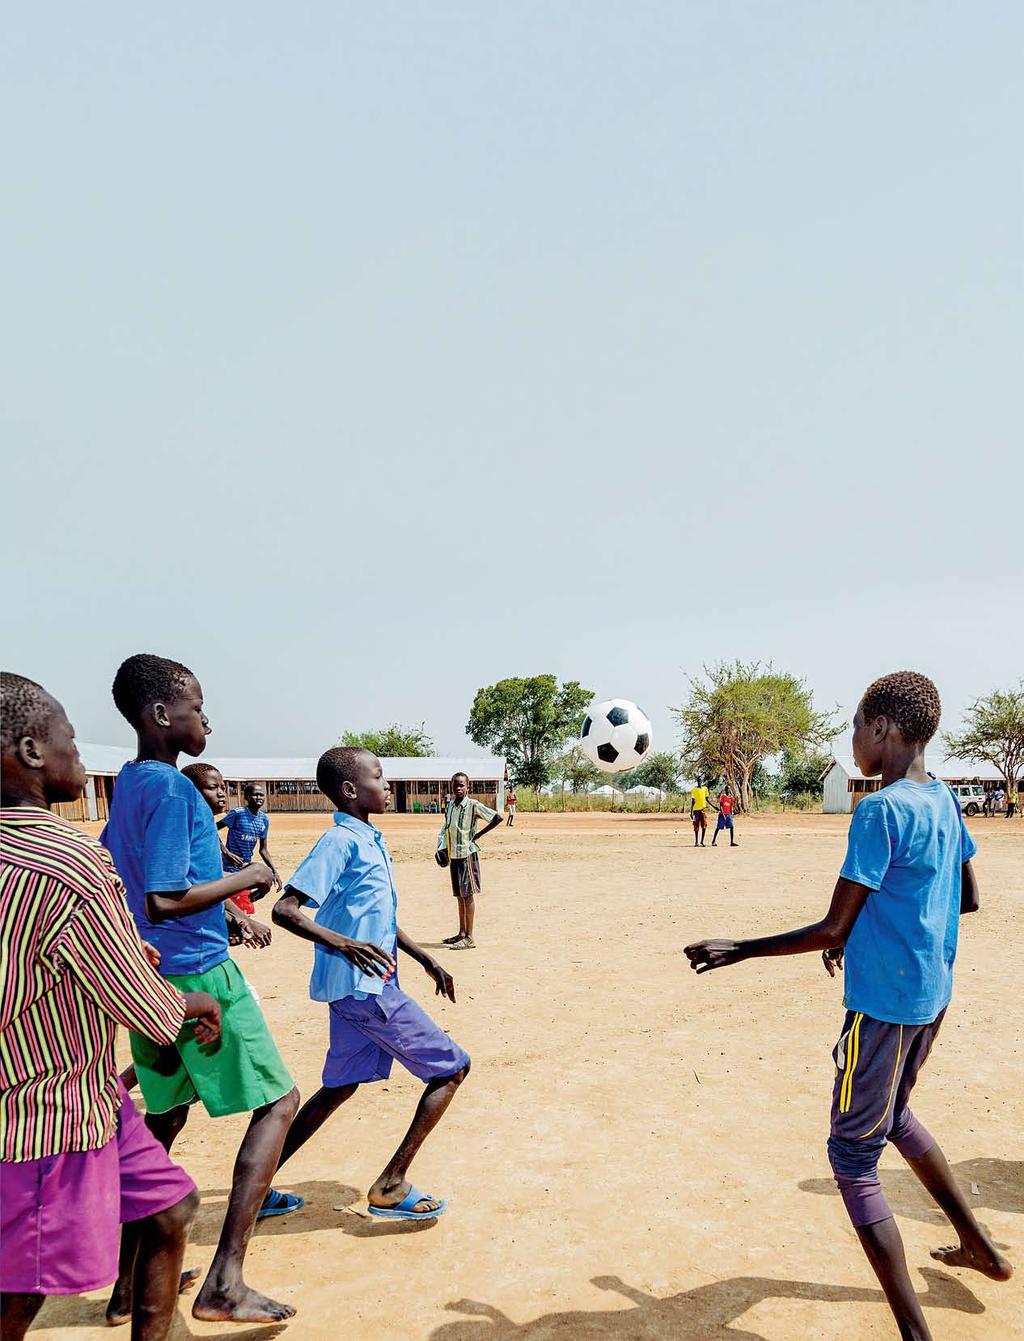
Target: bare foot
(983, 1258)
(119, 1309)
(241, 1305)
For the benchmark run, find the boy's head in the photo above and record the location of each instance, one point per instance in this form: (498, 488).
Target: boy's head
(898, 710)
(460, 786)
(254, 795)
(209, 783)
(37, 742)
(353, 779)
(162, 700)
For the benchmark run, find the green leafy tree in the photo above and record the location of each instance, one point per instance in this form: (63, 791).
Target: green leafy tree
(393, 742)
(528, 721)
(576, 769)
(992, 729)
(800, 773)
(739, 714)
(660, 769)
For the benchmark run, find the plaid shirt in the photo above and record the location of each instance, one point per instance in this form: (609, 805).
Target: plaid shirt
(456, 836)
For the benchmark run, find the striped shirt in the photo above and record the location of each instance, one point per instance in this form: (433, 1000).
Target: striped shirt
(456, 836)
(72, 969)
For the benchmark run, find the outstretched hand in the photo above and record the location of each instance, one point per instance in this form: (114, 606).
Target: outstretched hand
(833, 959)
(707, 955)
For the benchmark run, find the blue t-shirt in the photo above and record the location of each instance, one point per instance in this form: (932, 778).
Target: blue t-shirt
(245, 830)
(907, 844)
(347, 878)
(162, 837)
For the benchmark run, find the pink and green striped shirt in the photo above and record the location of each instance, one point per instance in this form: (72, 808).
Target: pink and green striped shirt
(72, 968)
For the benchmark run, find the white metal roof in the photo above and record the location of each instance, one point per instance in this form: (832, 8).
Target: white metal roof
(947, 769)
(480, 768)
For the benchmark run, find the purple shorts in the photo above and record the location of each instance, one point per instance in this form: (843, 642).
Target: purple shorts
(60, 1216)
(366, 1036)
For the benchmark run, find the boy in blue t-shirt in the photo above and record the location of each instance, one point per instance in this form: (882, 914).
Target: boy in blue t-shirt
(894, 917)
(163, 839)
(249, 826)
(347, 882)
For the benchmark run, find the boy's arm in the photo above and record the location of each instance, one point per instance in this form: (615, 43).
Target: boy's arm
(268, 859)
(232, 858)
(847, 901)
(366, 956)
(225, 821)
(969, 900)
(162, 904)
(444, 983)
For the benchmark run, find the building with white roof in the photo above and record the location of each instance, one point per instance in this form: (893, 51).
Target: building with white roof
(417, 785)
(845, 785)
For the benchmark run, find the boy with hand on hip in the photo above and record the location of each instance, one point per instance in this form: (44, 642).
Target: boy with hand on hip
(894, 918)
(347, 881)
(457, 849)
(164, 842)
(76, 1159)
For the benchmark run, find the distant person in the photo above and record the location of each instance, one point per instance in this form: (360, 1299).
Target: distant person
(1011, 803)
(347, 883)
(76, 1158)
(457, 849)
(699, 801)
(725, 806)
(248, 826)
(164, 843)
(243, 928)
(998, 796)
(510, 806)
(895, 917)
(986, 805)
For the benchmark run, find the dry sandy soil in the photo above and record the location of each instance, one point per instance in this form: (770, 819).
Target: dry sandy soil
(638, 1153)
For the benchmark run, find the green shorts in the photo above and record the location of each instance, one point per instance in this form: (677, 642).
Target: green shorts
(242, 1071)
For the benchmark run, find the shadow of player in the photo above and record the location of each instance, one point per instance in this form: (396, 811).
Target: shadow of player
(702, 1314)
(1000, 1184)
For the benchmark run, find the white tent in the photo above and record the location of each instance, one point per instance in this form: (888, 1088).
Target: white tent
(605, 790)
(648, 793)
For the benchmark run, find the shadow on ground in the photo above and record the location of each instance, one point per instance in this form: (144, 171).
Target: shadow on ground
(703, 1314)
(328, 1205)
(1000, 1184)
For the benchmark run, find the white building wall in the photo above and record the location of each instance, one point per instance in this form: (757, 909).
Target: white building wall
(838, 799)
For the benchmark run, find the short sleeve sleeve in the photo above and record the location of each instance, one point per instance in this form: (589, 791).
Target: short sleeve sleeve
(166, 846)
(266, 824)
(318, 875)
(869, 850)
(484, 812)
(230, 820)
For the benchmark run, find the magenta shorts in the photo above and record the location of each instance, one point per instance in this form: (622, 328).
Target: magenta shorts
(60, 1216)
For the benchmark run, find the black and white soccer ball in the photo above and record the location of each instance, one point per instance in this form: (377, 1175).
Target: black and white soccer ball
(616, 735)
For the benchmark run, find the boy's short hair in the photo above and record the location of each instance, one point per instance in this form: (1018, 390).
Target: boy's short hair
(198, 773)
(26, 709)
(249, 787)
(460, 774)
(337, 765)
(144, 679)
(907, 698)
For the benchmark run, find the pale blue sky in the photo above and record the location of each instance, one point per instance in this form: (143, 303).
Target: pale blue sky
(360, 355)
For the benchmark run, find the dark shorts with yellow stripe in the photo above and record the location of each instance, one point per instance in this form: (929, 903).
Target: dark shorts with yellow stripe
(877, 1065)
(465, 876)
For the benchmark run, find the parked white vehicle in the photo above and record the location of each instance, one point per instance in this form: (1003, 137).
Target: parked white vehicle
(971, 797)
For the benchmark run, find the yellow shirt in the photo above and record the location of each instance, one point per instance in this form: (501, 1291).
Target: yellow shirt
(699, 798)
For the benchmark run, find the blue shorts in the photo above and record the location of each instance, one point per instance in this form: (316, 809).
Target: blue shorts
(366, 1036)
(724, 822)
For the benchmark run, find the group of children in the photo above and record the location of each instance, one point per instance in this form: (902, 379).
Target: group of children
(700, 799)
(135, 930)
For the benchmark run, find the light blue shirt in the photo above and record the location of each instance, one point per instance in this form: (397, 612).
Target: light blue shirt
(162, 837)
(348, 880)
(907, 844)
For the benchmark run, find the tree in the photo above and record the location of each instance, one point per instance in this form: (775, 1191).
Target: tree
(393, 742)
(800, 773)
(528, 721)
(992, 729)
(740, 714)
(576, 770)
(660, 769)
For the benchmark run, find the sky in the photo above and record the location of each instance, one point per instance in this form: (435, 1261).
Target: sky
(359, 356)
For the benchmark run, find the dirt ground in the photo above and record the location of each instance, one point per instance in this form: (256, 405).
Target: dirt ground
(638, 1153)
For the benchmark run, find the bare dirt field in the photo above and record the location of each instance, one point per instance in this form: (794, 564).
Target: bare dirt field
(638, 1153)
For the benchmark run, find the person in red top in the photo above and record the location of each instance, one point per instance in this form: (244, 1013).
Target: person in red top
(726, 803)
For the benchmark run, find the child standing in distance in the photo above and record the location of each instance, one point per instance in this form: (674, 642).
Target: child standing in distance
(699, 802)
(726, 802)
(457, 849)
(164, 842)
(510, 806)
(248, 825)
(76, 1159)
(895, 916)
(347, 881)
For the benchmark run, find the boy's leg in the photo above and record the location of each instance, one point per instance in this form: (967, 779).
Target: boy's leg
(158, 1268)
(225, 1297)
(884, 1249)
(312, 1116)
(393, 1186)
(17, 1312)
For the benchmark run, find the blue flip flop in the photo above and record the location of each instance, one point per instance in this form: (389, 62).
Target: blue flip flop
(404, 1209)
(279, 1203)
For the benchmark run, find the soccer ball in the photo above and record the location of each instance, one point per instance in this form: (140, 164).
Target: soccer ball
(615, 735)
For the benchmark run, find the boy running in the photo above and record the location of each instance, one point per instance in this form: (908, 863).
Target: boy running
(894, 916)
(347, 882)
(76, 1159)
(248, 826)
(164, 842)
(725, 807)
(457, 849)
